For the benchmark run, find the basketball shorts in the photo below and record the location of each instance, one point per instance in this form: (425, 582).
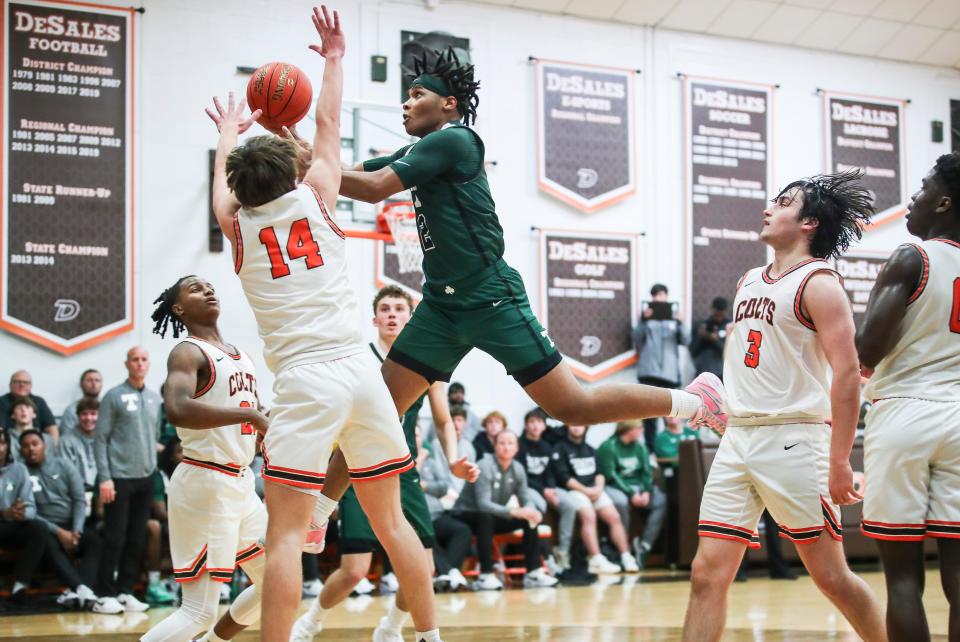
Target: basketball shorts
(356, 534)
(911, 468)
(784, 468)
(493, 315)
(343, 402)
(216, 521)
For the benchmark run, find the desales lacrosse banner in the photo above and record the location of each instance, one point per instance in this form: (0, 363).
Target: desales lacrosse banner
(859, 269)
(728, 183)
(588, 298)
(585, 133)
(67, 213)
(868, 134)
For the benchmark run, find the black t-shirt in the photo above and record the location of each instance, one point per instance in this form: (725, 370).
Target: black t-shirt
(482, 445)
(535, 457)
(575, 461)
(43, 419)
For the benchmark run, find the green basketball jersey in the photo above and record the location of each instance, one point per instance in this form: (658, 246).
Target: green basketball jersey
(410, 416)
(459, 231)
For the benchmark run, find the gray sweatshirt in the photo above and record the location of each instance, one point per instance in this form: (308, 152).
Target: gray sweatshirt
(128, 428)
(58, 493)
(434, 473)
(78, 448)
(491, 492)
(15, 483)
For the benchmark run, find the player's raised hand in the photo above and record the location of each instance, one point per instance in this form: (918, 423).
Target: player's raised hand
(465, 470)
(842, 490)
(332, 43)
(233, 115)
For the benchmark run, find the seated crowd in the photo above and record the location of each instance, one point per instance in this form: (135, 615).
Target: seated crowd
(83, 499)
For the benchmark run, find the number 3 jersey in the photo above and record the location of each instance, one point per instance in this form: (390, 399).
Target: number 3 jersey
(232, 384)
(925, 360)
(774, 366)
(291, 260)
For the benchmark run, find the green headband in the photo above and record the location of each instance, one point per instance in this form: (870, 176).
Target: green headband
(432, 83)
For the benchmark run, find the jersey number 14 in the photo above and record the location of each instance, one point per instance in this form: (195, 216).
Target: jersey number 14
(300, 245)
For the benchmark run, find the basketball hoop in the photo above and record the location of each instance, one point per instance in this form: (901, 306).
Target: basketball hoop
(401, 219)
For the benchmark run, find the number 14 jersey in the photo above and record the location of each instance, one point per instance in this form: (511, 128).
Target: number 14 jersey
(774, 365)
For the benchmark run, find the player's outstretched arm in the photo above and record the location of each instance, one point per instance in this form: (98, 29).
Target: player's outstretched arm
(183, 365)
(230, 123)
(827, 305)
(888, 304)
(440, 409)
(324, 172)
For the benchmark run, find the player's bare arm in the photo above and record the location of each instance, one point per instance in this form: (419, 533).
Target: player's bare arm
(230, 123)
(887, 305)
(324, 172)
(370, 187)
(440, 409)
(185, 365)
(827, 305)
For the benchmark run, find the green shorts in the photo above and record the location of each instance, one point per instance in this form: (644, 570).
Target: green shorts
(493, 315)
(356, 535)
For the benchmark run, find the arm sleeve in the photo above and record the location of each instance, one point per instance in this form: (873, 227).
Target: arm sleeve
(102, 438)
(523, 494)
(373, 164)
(561, 467)
(646, 471)
(436, 485)
(640, 334)
(76, 496)
(607, 463)
(484, 488)
(436, 154)
(25, 492)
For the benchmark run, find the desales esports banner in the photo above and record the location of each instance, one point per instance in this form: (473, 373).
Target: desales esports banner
(728, 176)
(67, 217)
(585, 133)
(868, 134)
(588, 298)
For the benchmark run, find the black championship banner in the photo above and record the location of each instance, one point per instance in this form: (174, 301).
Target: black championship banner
(859, 269)
(868, 134)
(587, 299)
(67, 270)
(728, 179)
(585, 134)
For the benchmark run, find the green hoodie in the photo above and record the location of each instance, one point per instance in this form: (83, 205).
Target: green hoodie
(625, 466)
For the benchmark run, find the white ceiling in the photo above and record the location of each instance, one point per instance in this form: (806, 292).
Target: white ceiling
(924, 31)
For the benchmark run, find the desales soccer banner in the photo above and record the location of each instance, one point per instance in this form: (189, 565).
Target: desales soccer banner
(67, 207)
(588, 298)
(728, 183)
(585, 134)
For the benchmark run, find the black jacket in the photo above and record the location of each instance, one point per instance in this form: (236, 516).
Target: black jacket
(535, 457)
(575, 461)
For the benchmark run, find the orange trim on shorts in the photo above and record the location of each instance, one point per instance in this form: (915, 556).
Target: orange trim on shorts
(719, 530)
(195, 570)
(379, 471)
(894, 532)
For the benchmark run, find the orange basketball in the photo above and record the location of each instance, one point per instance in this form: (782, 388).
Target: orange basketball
(282, 91)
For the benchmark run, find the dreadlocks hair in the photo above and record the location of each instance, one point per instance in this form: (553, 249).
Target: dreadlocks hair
(840, 205)
(163, 315)
(459, 78)
(947, 171)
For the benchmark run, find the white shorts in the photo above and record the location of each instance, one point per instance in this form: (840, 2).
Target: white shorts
(784, 468)
(216, 520)
(579, 500)
(911, 467)
(343, 402)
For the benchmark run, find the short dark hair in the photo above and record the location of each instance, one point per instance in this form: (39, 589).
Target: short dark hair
(86, 372)
(394, 291)
(30, 431)
(87, 404)
(720, 303)
(22, 401)
(456, 385)
(947, 171)
(657, 289)
(535, 413)
(261, 170)
(458, 411)
(840, 204)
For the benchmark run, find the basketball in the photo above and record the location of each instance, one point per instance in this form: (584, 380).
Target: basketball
(282, 91)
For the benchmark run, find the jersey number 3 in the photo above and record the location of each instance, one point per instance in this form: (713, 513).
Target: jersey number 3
(752, 358)
(246, 428)
(300, 245)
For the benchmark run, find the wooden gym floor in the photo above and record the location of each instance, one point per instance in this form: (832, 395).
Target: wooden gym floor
(642, 608)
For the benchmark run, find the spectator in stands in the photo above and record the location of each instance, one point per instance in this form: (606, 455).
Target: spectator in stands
(534, 456)
(711, 333)
(658, 337)
(464, 448)
(492, 425)
(76, 446)
(19, 527)
(576, 468)
(21, 385)
(667, 449)
(452, 536)
(625, 464)
(22, 415)
(61, 506)
(91, 383)
(484, 507)
(126, 448)
(456, 397)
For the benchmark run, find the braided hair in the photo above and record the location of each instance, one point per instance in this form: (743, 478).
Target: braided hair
(163, 315)
(841, 206)
(457, 77)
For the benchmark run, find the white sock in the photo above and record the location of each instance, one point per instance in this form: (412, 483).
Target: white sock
(212, 637)
(153, 577)
(429, 636)
(396, 618)
(18, 586)
(324, 508)
(684, 404)
(316, 613)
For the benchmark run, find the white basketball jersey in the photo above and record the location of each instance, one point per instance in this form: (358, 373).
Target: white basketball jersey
(291, 259)
(232, 384)
(925, 361)
(774, 366)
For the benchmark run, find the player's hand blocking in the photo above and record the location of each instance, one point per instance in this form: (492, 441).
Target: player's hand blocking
(842, 490)
(233, 115)
(465, 470)
(332, 43)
